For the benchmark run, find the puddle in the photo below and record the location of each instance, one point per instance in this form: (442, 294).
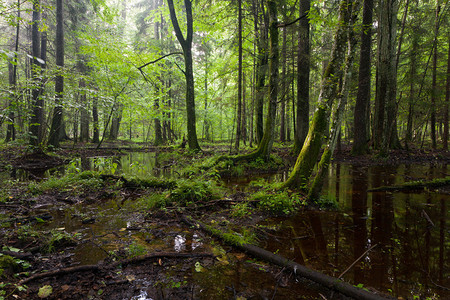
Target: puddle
(129, 164)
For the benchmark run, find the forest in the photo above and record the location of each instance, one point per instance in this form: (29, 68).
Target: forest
(233, 149)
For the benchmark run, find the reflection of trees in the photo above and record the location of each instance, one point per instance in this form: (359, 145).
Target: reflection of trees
(381, 231)
(442, 226)
(359, 208)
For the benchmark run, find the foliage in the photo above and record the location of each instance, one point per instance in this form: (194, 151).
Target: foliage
(241, 210)
(280, 202)
(73, 182)
(190, 192)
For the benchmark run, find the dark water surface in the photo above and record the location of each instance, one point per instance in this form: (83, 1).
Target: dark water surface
(408, 230)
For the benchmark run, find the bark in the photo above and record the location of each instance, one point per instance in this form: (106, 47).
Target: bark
(297, 269)
(115, 121)
(309, 154)
(284, 88)
(186, 44)
(447, 100)
(385, 129)
(265, 146)
(239, 96)
(36, 108)
(361, 121)
(322, 169)
(303, 66)
(412, 80)
(11, 130)
(95, 122)
(434, 84)
(261, 70)
(57, 120)
(84, 115)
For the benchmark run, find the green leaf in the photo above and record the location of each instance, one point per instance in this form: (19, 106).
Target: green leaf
(45, 291)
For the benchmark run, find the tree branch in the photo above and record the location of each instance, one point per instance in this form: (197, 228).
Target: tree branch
(156, 60)
(293, 22)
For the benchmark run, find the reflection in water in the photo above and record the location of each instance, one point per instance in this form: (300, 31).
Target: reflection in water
(410, 257)
(179, 243)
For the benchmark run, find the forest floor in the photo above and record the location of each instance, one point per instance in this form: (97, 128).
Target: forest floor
(125, 269)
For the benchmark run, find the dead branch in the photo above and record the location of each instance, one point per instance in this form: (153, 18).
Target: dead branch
(298, 270)
(97, 267)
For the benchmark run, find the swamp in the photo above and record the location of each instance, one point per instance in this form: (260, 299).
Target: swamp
(112, 224)
(224, 149)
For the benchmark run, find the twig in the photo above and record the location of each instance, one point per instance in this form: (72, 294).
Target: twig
(358, 259)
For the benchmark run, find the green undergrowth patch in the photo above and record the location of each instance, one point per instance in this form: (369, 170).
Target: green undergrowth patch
(279, 202)
(229, 167)
(183, 193)
(69, 182)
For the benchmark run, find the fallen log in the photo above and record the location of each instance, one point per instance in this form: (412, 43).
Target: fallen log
(414, 185)
(298, 270)
(97, 267)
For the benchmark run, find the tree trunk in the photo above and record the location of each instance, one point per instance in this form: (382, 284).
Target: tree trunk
(412, 81)
(239, 96)
(36, 108)
(84, 115)
(95, 123)
(316, 187)
(284, 89)
(265, 146)
(309, 154)
(385, 100)
(186, 44)
(360, 133)
(447, 100)
(433, 83)
(57, 120)
(11, 130)
(303, 70)
(261, 69)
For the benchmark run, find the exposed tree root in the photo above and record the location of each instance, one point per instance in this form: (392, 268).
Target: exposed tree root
(298, 270)
(98, 267)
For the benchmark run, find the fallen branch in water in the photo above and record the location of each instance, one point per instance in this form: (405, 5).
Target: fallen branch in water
(298, 270)
(414, 185)
(97, 267)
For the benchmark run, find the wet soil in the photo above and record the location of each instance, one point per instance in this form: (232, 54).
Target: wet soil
(168, 277)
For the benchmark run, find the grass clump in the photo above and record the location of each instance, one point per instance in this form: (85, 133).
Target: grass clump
(69, 182)
(190, 192)
(280, 202)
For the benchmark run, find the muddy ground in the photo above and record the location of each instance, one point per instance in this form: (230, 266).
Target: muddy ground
(168, 273)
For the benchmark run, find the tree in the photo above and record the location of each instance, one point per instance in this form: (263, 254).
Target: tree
(434, 75)
(362, 106)
(186, 45)
(385, 129)
(11, 132)
(447, 100)
(310, 151)
(55, 129)
(36, 119)
(239, 97)
(303, 70)
(261, 67)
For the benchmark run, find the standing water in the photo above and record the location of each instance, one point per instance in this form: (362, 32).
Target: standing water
(406, 232)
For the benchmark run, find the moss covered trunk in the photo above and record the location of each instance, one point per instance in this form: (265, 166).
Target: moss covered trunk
(338, 116)
(310, 152)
